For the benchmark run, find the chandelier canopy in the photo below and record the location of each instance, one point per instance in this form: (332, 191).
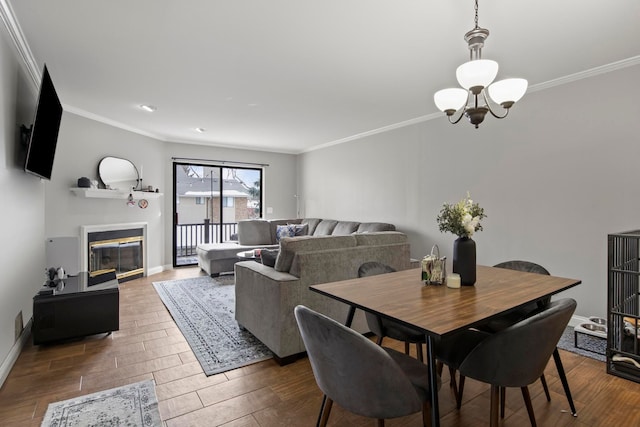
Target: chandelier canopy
(476, 77)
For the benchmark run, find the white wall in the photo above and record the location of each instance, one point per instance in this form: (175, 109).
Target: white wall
(555, 177)
(82, 143)
(22, 234)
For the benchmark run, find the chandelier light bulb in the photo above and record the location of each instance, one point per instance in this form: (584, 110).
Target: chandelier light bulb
(508, 91)
(450, 100)
(477, 74)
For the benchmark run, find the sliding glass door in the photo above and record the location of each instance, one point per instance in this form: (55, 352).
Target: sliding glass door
(208, 203)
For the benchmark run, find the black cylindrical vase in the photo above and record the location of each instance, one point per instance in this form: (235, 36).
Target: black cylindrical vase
(464, 260)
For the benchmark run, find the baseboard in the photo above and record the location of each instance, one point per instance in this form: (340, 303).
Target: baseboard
(11, 358)
(155, 270)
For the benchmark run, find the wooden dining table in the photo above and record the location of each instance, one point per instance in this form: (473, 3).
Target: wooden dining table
(438, 310)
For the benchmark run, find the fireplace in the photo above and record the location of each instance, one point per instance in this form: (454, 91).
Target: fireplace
(118, 247)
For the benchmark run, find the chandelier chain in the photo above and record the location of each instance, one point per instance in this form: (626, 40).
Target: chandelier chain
(476, 19)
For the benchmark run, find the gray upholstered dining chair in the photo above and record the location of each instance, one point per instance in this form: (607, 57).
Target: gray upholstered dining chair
(344, 362)
(384, 327)
(513, 357)
(508, 319)
(499, 323)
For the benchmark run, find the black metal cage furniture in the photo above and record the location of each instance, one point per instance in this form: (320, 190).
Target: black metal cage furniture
(623, 305)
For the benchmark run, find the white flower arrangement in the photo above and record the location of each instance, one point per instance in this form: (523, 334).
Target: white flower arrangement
(462, 219)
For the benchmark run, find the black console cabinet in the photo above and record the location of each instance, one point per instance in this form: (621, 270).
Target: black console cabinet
(75, 309)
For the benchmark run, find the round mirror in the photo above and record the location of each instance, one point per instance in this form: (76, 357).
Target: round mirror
(118, 174)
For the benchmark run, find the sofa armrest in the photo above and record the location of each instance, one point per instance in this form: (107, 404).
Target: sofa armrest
(266, 271)
(265, 300)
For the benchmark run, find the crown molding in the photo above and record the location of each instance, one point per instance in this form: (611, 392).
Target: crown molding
(19, 41)
(592, 72)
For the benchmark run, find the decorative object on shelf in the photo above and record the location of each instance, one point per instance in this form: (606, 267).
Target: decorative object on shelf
(462, 219)
(434, 270)
(118, 174)
(130, 201)
(143, 203)
(476, 77)
(84, 182)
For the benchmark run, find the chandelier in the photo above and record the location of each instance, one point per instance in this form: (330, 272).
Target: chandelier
(476, 77)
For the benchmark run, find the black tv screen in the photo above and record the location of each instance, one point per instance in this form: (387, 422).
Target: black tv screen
(44, 132)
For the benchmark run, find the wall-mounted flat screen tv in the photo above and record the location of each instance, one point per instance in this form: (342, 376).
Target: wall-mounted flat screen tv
(41, 149)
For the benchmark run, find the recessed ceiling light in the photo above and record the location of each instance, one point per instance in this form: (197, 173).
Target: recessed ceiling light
(201, 130)
(148, 108)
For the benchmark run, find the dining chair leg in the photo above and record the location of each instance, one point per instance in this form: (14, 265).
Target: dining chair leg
(324, 402)
(460, 390)
(426, 414)
(543, 380)
(379, 340)
(380, 423)
(325, 410)
(454, 385)
(419, 353)
(503, 399)
(406, 347)
(527, 401)
(565, 383)
(494, 405)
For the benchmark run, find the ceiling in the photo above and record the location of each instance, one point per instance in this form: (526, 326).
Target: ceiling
(295, 75)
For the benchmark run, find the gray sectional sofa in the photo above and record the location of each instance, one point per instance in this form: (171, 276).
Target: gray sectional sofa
(266, 296)
(216, 258)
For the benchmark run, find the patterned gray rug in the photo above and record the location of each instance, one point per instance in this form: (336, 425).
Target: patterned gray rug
(203, 308)
(588, 345)
(130, 405)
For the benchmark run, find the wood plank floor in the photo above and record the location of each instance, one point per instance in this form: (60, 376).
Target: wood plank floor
(150, 346)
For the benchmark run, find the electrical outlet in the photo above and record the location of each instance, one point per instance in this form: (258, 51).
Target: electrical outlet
(19, 326)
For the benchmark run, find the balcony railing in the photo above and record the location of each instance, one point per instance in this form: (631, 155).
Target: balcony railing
(189, 236)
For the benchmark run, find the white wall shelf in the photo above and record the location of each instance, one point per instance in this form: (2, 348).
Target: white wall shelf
(100, 193)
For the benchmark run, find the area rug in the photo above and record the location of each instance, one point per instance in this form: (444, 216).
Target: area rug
(130, 405)
(588, 345)
(204, 307)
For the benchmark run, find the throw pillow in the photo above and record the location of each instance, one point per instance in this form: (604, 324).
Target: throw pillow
(269, 257)
(285, 231)
(300, 229)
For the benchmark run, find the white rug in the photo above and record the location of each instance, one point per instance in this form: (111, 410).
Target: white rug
(204, 310)
(133, 405)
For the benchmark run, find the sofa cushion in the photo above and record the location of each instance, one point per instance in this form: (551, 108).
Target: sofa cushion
(325, 227)
(290, 245)
(301, 229)
(312, 223)
(283, 231)
(209, 251)
(344, 228)
(254, 232)
(268, 257)
(368, 227)
(274, 223)
(380, 238)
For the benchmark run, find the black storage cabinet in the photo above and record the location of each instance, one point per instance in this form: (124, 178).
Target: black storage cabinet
(623, 305)
(78, 311)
